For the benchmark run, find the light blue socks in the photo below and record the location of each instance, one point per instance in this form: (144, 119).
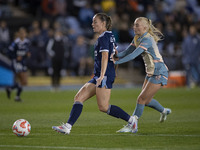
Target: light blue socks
(156, 105)
(139, 110)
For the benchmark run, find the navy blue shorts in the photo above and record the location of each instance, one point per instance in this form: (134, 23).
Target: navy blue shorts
(158, 79)
(106, 82)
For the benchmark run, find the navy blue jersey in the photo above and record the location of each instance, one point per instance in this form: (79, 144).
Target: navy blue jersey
(105, 43)
(17, 49)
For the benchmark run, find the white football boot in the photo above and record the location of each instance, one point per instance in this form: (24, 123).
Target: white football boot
(130, 127)
(64, 128)
(163, 115)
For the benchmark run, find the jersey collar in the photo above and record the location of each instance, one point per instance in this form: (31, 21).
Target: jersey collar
(102, 34)
(142, 36)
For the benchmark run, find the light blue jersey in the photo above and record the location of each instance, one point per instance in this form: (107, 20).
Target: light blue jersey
(147, 47)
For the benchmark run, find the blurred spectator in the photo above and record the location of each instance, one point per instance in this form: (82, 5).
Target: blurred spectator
(194, 5)
(74, 27)
(79, 57)
(35, 25)
(160, 13)
(75, 6)
(178, 33)
(61, 6)
(151, 14)
(38, 59)
(170, 37)
(4, 37)
(5, 10)
(191, 57)
(85, 16)
(44, 30)
(60, 24)
(56, 51)
(97, 7)
(124, 34)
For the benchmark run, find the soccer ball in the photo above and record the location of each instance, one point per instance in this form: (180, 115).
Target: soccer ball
(21, 127)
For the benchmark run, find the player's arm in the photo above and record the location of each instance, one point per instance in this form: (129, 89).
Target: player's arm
(126, 52)
(130, 56)
(49, 48)
(104, 63)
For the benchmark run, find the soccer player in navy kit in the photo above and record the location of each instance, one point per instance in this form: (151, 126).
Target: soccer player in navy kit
(145, 40)
(18, 52)
(104, 76)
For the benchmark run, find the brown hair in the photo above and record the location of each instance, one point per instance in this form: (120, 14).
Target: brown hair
(107, 19)
(157, 35)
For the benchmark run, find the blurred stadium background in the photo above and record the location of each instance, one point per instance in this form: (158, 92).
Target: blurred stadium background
(42, 18)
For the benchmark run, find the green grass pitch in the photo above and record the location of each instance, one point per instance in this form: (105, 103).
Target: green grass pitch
(95, 130)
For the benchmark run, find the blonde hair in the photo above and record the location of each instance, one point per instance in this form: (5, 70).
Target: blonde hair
(157, 35)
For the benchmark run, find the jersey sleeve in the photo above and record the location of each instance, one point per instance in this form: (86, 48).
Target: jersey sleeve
(143, 46)
(128, 50)
(104, 44)
(130, 56)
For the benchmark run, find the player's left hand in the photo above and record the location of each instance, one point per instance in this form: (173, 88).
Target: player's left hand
(99, 80)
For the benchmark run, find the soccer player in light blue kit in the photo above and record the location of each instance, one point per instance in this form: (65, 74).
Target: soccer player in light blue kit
(104, 76)
(145, 40)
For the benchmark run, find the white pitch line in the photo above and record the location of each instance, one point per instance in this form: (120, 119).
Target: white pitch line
(64, 147)
(117, 134)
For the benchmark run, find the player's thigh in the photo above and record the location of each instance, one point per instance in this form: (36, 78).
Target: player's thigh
(144, 84)
(22, 76)
(103, 98)
(148, 92)
(86, 92)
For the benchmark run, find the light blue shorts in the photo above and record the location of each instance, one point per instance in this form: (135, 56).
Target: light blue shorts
(158, 79)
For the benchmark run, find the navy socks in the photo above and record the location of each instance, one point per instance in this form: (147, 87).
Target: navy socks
(117, 112)
(19, 90)
(75, 112)
(16, 86)
(113, 110)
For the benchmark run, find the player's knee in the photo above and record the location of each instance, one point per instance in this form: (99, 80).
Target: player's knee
(76, 97)
(103, 108)
(141, 100)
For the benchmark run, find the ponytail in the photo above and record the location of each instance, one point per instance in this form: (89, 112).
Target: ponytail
(153, 31)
